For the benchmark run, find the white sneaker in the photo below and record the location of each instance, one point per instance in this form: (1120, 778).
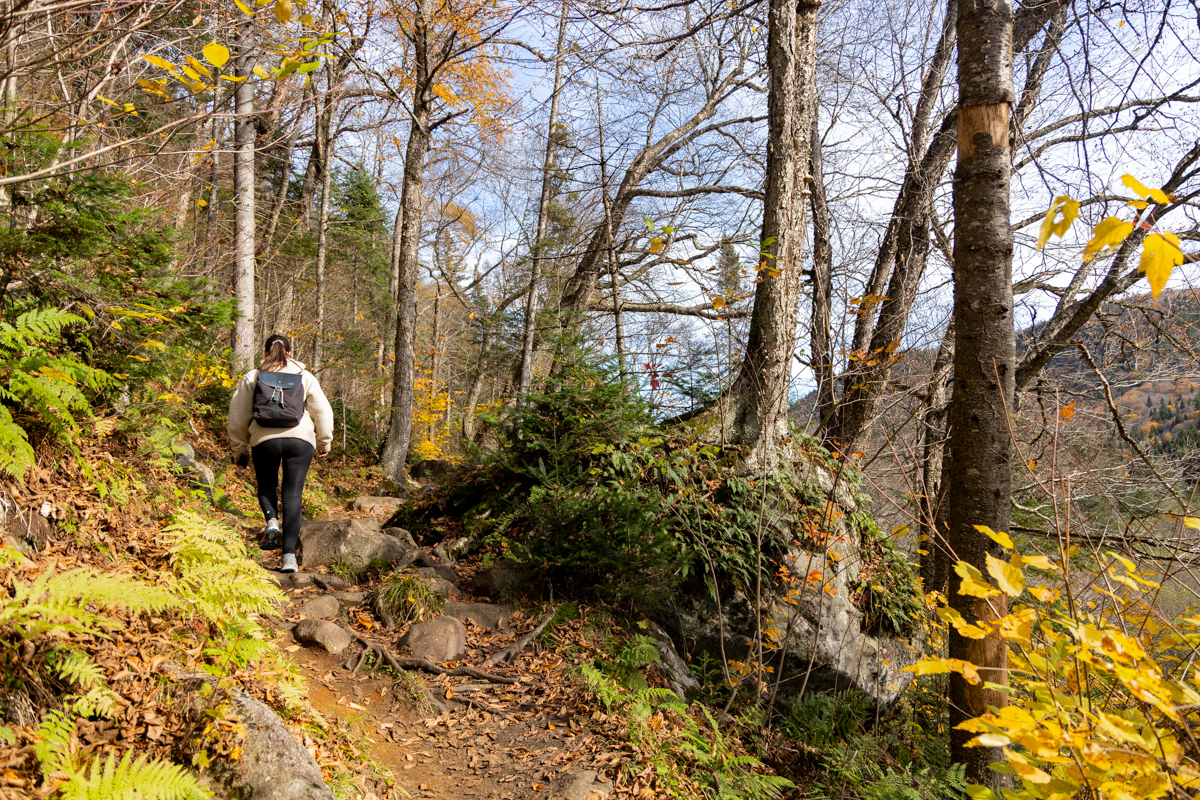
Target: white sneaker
(288, 564)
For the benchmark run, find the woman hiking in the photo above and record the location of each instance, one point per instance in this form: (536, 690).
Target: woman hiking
(279, 416)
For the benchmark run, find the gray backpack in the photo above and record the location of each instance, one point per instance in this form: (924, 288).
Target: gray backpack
(279, 399)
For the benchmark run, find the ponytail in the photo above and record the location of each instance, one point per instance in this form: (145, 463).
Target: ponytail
(275, 353)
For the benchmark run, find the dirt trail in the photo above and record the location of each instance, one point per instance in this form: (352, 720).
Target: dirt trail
(536, 738)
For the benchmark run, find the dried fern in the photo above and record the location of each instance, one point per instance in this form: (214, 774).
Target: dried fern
(59, 601)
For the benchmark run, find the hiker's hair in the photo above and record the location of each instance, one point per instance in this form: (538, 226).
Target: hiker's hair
(276, 353)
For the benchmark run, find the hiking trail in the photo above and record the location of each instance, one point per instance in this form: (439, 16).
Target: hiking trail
(455, 736)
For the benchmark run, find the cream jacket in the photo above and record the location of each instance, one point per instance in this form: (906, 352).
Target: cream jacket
(316, 426)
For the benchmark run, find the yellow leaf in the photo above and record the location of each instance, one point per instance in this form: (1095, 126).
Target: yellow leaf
(656, 245)
(1039, 562)
(1043, 594)
(1109, 233)
(217, 54)
(198, 66)
(191, 73)
(1140, 189)
(1057, 227)
(1192, 522)
(718, 302)
(991, 740)
(1001, 539)
(260, 72)
(245, 8)
(972, 581)
(283, 11)
(1160, 254)
(1008, 576)
(1067, 412)
(307, 19)
(160, 62)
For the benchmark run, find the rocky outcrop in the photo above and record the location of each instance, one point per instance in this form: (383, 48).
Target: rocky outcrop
(376, 505)
(817, 633)
(323, 607)
(199, 475)
(439, 640)
(271, 765)
(506, 575)
(356, 542)
(485, 615)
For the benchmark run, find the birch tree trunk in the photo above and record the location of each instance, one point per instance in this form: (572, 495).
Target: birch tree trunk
(984, 355)
(538, 253)
(243, 191)
(756, 411)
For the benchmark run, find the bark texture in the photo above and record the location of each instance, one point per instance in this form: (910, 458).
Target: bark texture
(756, 411)
(820, 339)
(412, 190)
(538, 253)
(244, 348)
(984, 354)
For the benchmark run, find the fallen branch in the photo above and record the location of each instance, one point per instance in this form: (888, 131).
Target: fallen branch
(508, 654)
(400, 664)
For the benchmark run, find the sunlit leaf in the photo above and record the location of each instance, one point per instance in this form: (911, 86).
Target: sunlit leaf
(160, 62)
(198, 66)
(1055, 225)
(1001, 539)
(1008, 576)
(283, 11)
(1139, 188)
(215, 54)
(972, 581)
(1160, 255)
(1109, 233)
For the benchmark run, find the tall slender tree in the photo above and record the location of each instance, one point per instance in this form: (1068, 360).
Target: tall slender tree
(243, 190)
(984, 355)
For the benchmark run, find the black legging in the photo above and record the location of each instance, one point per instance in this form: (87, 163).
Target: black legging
(296, 455)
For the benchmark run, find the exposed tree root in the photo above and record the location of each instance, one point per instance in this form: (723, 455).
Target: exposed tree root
(400, 664)
(509, 653)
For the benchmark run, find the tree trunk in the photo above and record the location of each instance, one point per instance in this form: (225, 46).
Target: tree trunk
(243, 191)
(395, 450)
(820, 338)
(984, 355)
(934, 561)
(525, 371)
(326, 170)
(756, 413)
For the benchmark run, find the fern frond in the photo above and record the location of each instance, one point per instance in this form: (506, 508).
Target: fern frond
(75, 666)
(143, 779)
(59, 601)
(100, 701)
(54, 741)
(16, 454)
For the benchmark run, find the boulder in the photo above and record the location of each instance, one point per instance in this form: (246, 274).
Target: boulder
(272, 765)
(443, 571)
(376, 505)
(580, 785)
(681, 679)
(199, 475)
(328, 582)
(429, 470)
(401, 534)
(439, 640)
(357, 542)
(321, 607)
(349, 598)
(485, 615)
(822, 644)
(504, 576)
(333, 638)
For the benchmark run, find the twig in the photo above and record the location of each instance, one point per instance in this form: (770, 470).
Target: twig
(508, 654)
(401, 664)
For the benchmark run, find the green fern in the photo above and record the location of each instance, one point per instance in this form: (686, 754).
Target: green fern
(34, 381)
(59, 601)
(76, 667)
(214, 575)
(108, 779)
